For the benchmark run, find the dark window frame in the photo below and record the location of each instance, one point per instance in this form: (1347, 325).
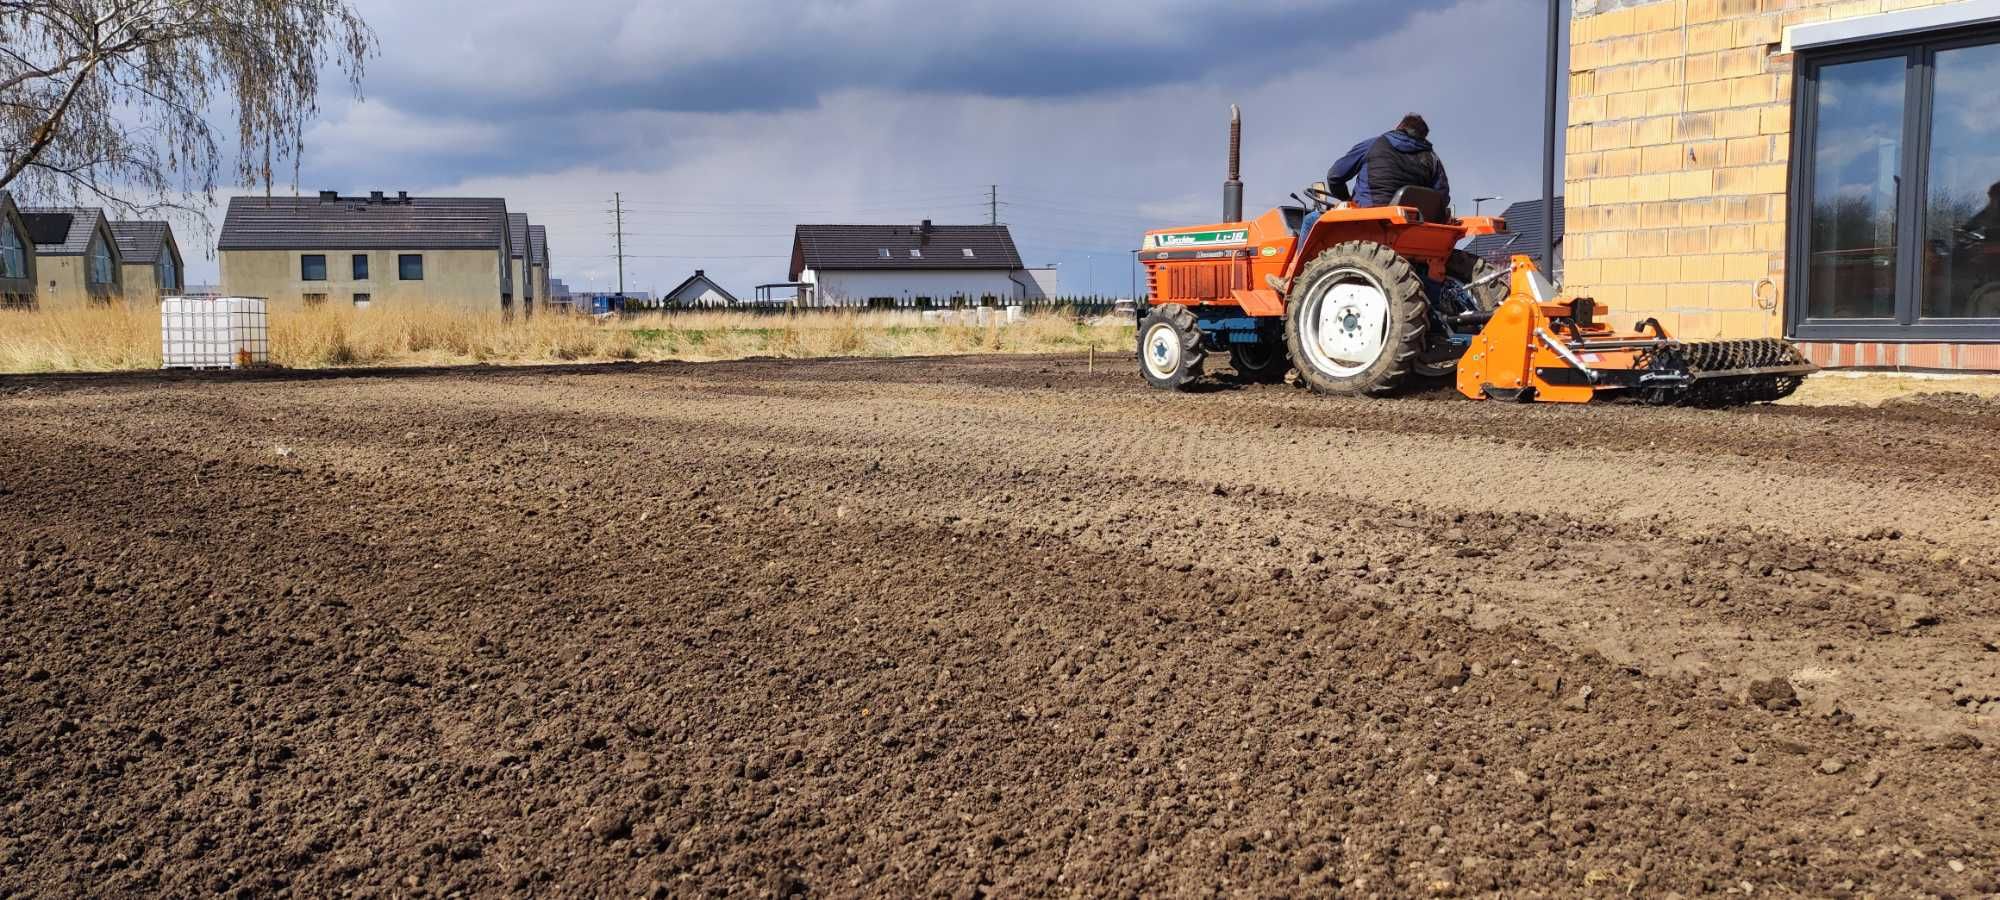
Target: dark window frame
(1912, 207)
(305, 261)
(403, 266)
(359, 267)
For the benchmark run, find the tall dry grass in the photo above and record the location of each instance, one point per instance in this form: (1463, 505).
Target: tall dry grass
(125, 337)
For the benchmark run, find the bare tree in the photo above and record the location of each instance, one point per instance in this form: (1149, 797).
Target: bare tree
(111, 99)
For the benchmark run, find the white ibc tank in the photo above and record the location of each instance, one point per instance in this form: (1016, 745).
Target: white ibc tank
(214, 333)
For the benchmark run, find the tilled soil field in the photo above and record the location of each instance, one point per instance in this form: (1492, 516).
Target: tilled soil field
(985, 627)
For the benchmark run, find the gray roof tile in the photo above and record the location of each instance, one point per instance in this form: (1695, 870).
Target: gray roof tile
(141, 242)
(942, 248)
(538, 239)
(517, 234)
(62, 230)
(357, 223)
(1524, 234)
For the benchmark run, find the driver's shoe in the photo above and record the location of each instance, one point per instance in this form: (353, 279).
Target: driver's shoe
(1277, 284)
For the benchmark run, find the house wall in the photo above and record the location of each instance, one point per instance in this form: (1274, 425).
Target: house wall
(142, 283)
(858, 287)
(19, 292)
(524, 282)
(1678, 161)
(540, 279)
(62, 283)
(465, 279)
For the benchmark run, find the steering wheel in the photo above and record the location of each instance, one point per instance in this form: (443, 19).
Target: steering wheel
(1326, 199)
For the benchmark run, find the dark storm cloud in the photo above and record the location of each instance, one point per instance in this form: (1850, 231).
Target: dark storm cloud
(766, 55)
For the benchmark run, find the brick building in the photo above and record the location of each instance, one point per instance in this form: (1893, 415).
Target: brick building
(1824, 170)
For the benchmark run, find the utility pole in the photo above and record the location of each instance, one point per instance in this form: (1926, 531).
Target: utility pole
(993, 203)
(618, 213)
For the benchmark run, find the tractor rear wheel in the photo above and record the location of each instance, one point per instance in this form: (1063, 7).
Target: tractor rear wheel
(1357, 319)
(1170, 354)
(1260, 363)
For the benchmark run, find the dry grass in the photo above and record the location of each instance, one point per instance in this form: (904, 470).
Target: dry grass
(1876, 388)
(120, 337)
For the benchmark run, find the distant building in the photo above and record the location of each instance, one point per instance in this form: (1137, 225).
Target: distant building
(17, 257)
(1523, 237)
(521, 270)
(152, 260)
(76, 257)
(538, 262)
(908, 265)
(369, 251)
(698, 292)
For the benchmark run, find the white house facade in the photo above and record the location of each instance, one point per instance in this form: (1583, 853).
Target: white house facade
(906, 266)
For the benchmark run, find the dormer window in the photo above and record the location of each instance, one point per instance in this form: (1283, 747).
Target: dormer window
(100, 262)
(886, 254)
(916, 254)
(969, 254)
(13, 255)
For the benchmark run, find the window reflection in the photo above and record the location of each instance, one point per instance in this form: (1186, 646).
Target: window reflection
(1962, 250)
(1856, 178)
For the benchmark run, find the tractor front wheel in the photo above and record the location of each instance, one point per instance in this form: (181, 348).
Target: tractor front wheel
(1357, 319)
(1170, 354)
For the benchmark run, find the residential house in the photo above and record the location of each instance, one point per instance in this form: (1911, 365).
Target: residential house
(538, 263)
(76, 257)
(698, 292)
(17, 257)
(908, 265)
(1812, 169)
(152, 260)
(369, 251)
(519, 260)
(1525, 224)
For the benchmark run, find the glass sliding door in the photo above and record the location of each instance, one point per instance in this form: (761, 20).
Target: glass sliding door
(1962, 250)
(1855, 188)
(1895, 205)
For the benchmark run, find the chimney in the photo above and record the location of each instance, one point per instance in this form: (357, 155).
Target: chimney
(402, 196)
(700, 274)
(374, 196)
(328, 196)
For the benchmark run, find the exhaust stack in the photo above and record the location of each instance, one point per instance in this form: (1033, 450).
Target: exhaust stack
(1232, 190)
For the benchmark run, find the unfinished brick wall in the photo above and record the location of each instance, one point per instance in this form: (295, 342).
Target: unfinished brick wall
(1679, 138)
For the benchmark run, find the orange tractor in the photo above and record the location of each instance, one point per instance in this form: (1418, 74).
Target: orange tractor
(1371, 300)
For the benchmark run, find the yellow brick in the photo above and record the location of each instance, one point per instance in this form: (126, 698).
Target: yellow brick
(1711, 37)
(1652, 188)
(1759, 30)
(1738, 325)
(1582, 271)
(1695, 126)
(1583, 84)
(1584, 110)
(1629, 105)
(1707, 154)
(1655, 75)
(1581, 165)
(1704, 67)
(1619, 215)
(1610, 245)
(1740, 63)
(1755, 208)
(1664, 45)
(1687, 241)
(1775, 120)
(1687, 296)
(1577, 139)
(1699, 325)
(1660, 215)
(1753, 90)
(1746, 266)
(1645, 296)
(1649, 132)
(1703, 212)
(1692, 185)
(1613, 163)
(1615, 136)
(1770, 237)
(1620, 271)
(1736, 182)
(1735, 123)
(1648, 243)
(1701, 268)
(1751, 151)
(1612, 80)
(1770, 179)
(1709, 95)
(1663, 158)
(1663, 102)
(1732, 238)
(1701, 11)
(1660, 270)
(1656, 17)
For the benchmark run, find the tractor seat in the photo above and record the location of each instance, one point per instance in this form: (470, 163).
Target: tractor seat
(1428, 203)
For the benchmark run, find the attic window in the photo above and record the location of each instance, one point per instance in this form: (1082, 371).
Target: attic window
(969, 254)
(916, 254)
(885, 253)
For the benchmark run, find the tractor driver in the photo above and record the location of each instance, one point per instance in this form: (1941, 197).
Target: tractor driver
(1381, 166)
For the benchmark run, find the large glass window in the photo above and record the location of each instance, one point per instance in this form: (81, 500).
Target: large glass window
(170, 274)
(410, 267)
(1897, 208)
(101, 270)
(1962, 253)
(13, 255)
(1856, 177)
(360, 267)
(312, 267)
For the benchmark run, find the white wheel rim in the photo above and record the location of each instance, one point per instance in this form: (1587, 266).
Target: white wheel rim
(1163, 351)
(1345, 322)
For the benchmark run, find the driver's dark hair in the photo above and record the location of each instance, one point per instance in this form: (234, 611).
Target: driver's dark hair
(1415, 126)
(1995, 189)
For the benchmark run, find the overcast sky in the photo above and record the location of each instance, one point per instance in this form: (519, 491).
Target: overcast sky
(723, 124)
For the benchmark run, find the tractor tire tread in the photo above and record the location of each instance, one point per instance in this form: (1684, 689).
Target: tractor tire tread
(1407, 304)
